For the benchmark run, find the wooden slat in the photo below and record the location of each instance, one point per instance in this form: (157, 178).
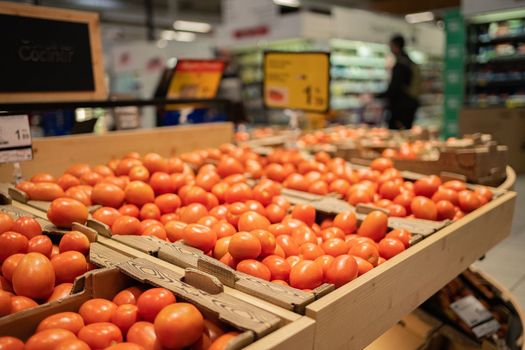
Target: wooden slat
(298, 335)
(374, 302)
(56, 154)
(228, 309)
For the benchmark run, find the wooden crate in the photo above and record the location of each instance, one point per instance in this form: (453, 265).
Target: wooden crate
(55, 154)
(294, 332)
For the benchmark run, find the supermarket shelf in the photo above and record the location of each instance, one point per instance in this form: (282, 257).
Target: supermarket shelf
(485, 40)
(501, 59)
(500, 83)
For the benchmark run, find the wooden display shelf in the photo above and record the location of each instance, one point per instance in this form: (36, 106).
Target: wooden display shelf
(354, 315)
(55, 154)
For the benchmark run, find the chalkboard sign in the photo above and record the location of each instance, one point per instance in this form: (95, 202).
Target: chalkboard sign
(49, 54)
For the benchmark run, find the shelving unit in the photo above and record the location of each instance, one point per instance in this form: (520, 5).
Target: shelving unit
(496, 65)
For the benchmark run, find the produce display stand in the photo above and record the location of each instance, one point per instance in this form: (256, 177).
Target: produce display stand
(350, 317)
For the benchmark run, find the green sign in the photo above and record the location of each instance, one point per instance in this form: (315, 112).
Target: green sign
(453, 71)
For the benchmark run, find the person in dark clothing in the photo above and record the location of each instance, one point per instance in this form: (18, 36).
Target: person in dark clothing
(403, 90)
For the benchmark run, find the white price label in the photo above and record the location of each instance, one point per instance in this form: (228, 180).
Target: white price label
(15, 139)
(471, 311)
(486, 329)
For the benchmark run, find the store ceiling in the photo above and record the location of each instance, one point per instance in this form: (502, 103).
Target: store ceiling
(127, 17)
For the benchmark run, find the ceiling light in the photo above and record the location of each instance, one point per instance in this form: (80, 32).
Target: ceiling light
(289, 3)
(185, 36)
(189, 26)
(169, 35)
(419, 17)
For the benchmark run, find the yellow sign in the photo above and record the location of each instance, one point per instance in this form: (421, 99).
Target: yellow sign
(297, 80)
(196, 79)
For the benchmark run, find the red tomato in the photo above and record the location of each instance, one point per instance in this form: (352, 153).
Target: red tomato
(125, 316)
(445, 210)
(100, 335)
(484, 192)
(139, 173)
(68, 266)
(278, 266)
(363, 266)
(11, 343)
(427, 186)
(289, 246)
(74, 241)
(424, 208)
(342, 270)
(324, 261)
(129, 210)
(267, 241)
(390, 190)
(222, 343)
(239, 192)
(64, 211)
(374, 226)
(108, 195)
(200, 236)
(19, 303)
(46, 191)
(346, 221)
(251, 220)
(126, 225)
(381, 164)
(143, 333)
(310, 251)
(161, 183)
(192, 213)
(305, 213)
(5, 303)
(175, 230)
(401, 234)
(10, 264)
(40, 244)
(223, 229)
(125, 346)
(221, 247)
(396, 210)
(335, 247)
(70, 321)
(446, 194)
(34, 276)
(149, 211)
(72, 344)
(390, 247)
(139, 193)
(6, 223)
(179, 325)
(97, 310)
(48, 339)
(254, 268)
(306, 274)
(168, 203)
(60, 291)
(152, 301)
(127, 296)
(27, 226)
(365, 250)
(455, 185)
(468, 201)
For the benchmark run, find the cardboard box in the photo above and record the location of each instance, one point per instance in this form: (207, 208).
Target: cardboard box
(507, 126)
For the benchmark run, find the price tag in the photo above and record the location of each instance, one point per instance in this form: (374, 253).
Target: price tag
(486, 329)
(471, 311)
(297, 80)
(15, 139)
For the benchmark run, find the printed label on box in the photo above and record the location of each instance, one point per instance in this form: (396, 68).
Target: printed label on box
(15, 139)
(470, 310)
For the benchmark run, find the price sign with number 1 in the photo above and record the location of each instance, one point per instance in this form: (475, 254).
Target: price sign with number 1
(297, 80)
(15, 139)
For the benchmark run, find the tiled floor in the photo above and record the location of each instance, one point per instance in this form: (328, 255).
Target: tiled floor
(506, 261)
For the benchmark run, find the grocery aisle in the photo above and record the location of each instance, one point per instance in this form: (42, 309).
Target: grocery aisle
(506, 261)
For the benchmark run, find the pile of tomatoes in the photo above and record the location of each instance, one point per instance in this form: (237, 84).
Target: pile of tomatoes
(204, 199)
(34, 270)
(136, 319)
